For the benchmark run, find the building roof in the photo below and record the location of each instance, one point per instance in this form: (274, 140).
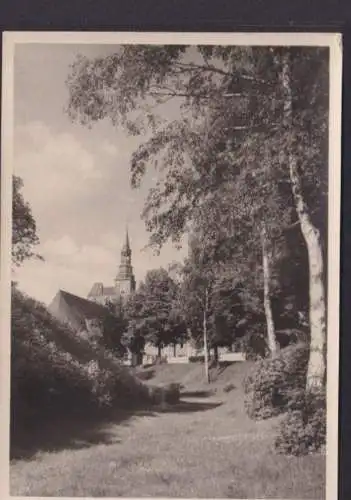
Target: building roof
(99, 290)
(126, 250)
(96, 290)
(74, 310)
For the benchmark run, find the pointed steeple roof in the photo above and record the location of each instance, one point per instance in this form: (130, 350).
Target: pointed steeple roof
(126, 247)
(127, 238)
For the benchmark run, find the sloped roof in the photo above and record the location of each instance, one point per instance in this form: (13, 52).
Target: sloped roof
(99, 290)
(69, 308)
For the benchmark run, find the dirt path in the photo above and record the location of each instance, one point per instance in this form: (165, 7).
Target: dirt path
(203, 447)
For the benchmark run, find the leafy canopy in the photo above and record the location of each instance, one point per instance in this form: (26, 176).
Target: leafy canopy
(24, 228)
(153, 311)
(227, 131)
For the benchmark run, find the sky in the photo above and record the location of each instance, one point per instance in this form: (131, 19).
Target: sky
(76, 180)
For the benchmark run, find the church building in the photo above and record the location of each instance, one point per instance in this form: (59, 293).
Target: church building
(124, 282)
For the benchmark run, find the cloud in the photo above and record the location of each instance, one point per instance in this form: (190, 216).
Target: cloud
(67, 266)
(53, 166)
(109, 148)
(78, 188)
(66, 250)
(74, 267)
(42, 280)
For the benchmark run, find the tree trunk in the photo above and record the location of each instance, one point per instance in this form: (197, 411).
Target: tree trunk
(205, 337)
(272, 343)
(215, 354)
(316, 370)
(317, 307)
(136, 359)
(159, 348)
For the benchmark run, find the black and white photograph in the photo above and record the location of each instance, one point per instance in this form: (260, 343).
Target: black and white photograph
(170, 228)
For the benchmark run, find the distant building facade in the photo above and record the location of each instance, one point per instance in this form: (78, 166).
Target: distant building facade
(124, 281)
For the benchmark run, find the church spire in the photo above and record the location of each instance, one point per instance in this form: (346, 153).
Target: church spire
(126, 250)
(125, 280)
(127, 238)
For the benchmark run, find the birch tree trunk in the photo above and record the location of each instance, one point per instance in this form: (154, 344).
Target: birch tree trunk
(317, 307)
(272, 344)
(207, 371)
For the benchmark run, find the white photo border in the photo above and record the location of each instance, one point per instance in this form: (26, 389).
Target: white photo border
(331, 40)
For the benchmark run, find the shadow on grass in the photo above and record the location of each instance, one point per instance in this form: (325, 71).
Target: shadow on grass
(69, 432)
(190, 407)
(84, 431)
(198, 394)
(145, 375)
(222, 365)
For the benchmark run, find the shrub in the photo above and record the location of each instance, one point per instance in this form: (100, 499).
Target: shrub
(303, 428)
(54, 371)
(228, 387)
(254, 345)
(172, 393)
(196, 359)
(169, 394)
(273, 383)
(290, 336)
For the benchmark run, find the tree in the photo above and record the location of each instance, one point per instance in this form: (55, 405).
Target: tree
(214, 92)
(316, 372)
(233, 104)
(134, 341)
(24, 229)
(195, 293)
(152, 310)
(113, 327)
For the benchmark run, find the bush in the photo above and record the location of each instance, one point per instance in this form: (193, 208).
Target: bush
(196, 359)
(274, 382)
(228, 387)
(54, 371)
(169, 394)
(303, 428)
(254, 345)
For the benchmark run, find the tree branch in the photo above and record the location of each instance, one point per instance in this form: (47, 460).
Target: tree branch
(211, 68)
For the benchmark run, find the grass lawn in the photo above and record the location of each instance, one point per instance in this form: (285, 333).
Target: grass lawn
(204, 447)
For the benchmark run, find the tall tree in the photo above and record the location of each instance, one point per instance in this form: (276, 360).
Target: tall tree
(152, 309)
(24, 228)
(113, 327)
(232, 130)
(312, 234)
(196, 291)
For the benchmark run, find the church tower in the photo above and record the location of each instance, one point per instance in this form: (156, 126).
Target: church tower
(125, 280)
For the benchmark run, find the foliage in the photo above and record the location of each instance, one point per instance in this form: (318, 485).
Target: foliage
(24, 228)
(224, 308)
(253, 344)
(54, 371)
(228, 387)
(271, 386)
(223, 163)
(196, 359)
(113, 327)
(153, 312)
(133, 338)
(303, 428)
(168, 394)
(231, 103)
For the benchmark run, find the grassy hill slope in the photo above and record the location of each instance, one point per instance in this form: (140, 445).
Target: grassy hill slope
(192, 375)
(204, 447)
(55, 371)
